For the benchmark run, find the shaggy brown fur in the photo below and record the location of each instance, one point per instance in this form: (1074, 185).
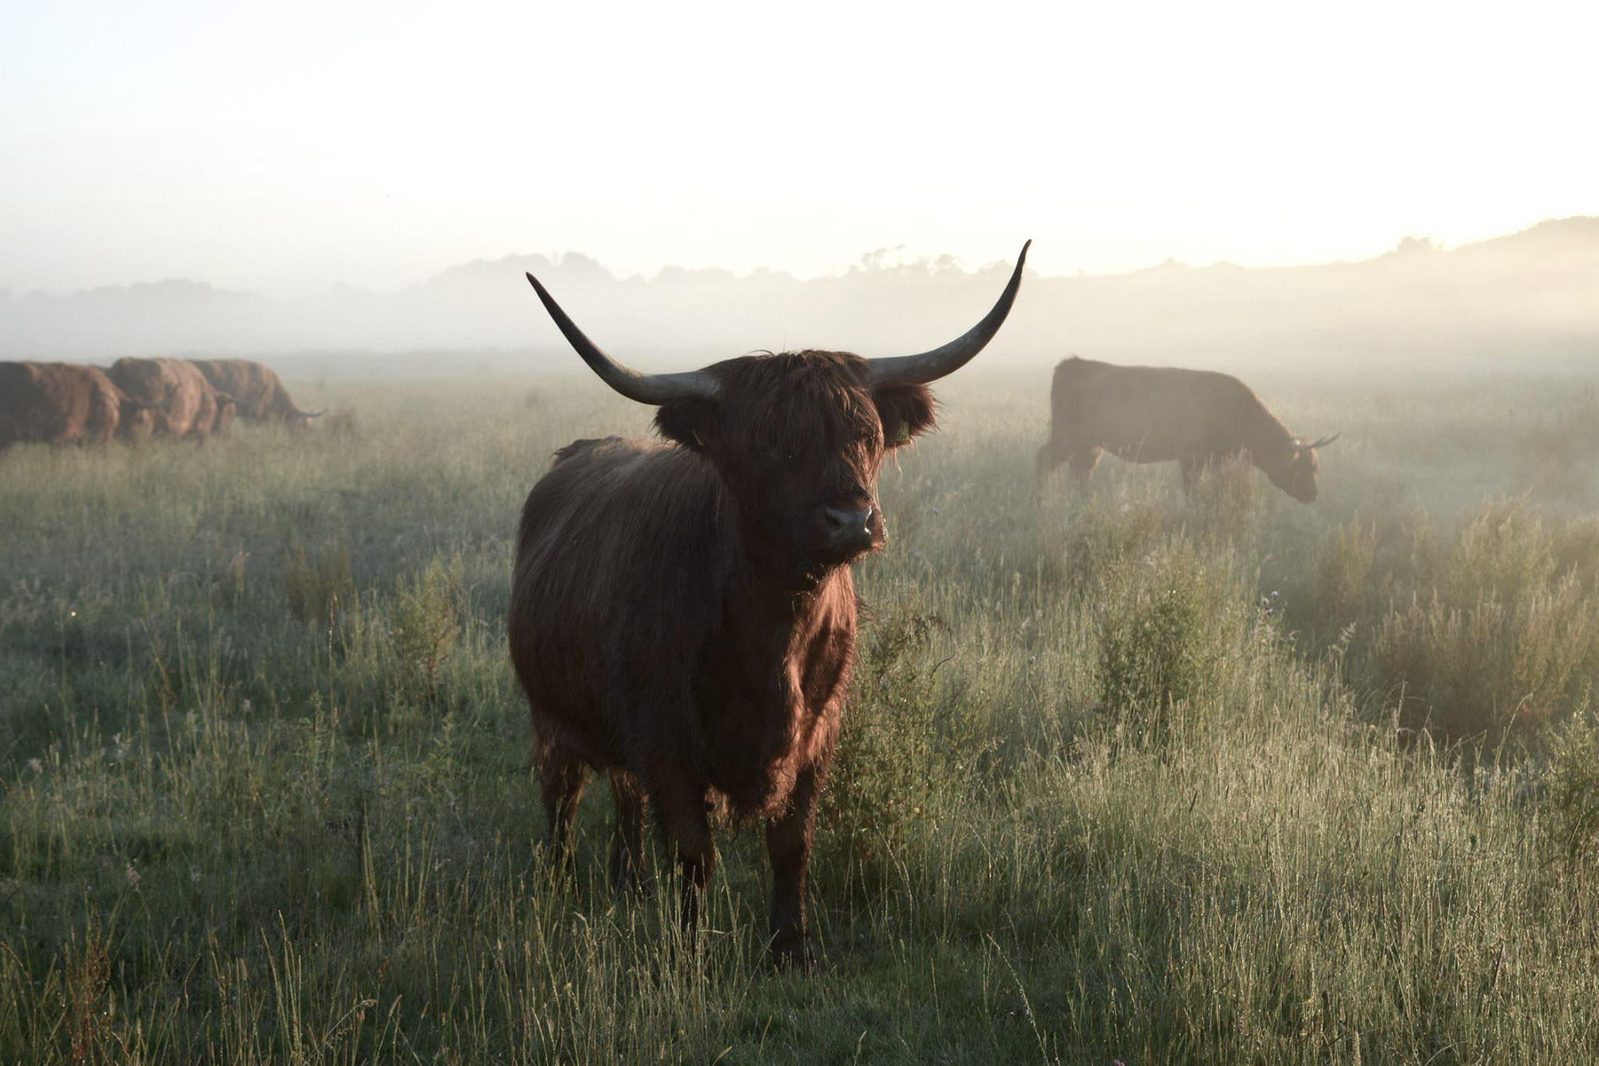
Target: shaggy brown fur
(683, 615)
(61, 403)
(1146, 414)
(184, 403)
(257, 390)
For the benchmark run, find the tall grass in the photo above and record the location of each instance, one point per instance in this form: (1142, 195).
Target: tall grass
(1127, 774)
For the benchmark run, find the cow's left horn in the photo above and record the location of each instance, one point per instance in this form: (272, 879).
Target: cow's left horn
(930, 366)
(645, 388)
(1325, 441)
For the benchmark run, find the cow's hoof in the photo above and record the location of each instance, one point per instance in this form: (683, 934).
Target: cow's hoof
(793, 956)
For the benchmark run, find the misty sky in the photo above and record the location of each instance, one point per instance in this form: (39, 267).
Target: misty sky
(289, 147)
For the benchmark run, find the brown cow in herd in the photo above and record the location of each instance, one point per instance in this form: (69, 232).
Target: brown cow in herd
(257, 389)
(185, 405)
(1147, 414)
(63, 403)
(682, 613)
(136, 398)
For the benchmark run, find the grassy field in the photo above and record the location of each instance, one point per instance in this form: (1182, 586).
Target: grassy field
(1127, 775)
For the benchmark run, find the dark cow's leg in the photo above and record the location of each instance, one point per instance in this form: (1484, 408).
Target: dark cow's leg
(627, 846)
(1048, 458)
(1083, 461)
(788, 845)
(561, 779)
(681, 808)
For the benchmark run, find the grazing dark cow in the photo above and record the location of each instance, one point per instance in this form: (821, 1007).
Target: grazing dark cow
(62, 403)
(1147, 414)
(682, 613)
(257, 389)
(184, 403)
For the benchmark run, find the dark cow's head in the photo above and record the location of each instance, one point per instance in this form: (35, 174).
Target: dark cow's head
(1296, 473)
(799, 437)
(136, 416)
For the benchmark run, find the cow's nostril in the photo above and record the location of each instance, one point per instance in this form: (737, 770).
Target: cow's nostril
(843, 521)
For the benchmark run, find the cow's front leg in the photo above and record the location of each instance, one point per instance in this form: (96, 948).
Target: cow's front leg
(681, 805)
(788, 844)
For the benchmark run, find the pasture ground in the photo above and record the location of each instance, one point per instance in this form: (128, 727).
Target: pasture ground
(1126, 776)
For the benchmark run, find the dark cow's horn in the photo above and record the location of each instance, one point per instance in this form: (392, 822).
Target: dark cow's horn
(930, 366)
(645, 388)
(1325, 441)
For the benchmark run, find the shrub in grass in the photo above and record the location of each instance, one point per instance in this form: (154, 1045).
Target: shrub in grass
(1503, 640)
(1164, 633)
(317, 583)
(1503, 553)
(1571, 796)
(1100, 538)
(1222, 505)
(424, 622)
(900, 745)
(1343, 573)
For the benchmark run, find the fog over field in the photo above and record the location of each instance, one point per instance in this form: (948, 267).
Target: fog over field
(1518, 301)
(1282, 750)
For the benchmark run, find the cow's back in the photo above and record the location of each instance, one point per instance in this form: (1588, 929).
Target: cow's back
(1145, 413)
(254, 387)
(183, 403)
(29, 408)
(53, 403)
(619, 570)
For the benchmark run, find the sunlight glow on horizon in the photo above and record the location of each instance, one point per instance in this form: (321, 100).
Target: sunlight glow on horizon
(290, 150)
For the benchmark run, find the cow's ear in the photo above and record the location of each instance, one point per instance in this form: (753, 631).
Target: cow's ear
(692, 422)
(906, 411)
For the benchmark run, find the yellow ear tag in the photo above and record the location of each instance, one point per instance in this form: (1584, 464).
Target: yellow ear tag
(903, 434)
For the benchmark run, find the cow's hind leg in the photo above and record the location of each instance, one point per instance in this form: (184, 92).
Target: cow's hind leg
(561, 779)
(1048, 458)
(1083, 461)
(627, 846)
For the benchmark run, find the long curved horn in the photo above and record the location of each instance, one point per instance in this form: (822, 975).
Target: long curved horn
(1325, 441)
(930, 366)
(311, 414)
(645, 388)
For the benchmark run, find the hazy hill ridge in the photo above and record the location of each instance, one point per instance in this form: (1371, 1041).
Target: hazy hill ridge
(1533, 293)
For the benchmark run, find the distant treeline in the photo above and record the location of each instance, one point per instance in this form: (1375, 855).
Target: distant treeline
(1529, 297)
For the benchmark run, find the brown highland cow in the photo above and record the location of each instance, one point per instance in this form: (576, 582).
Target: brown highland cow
(683, 615)
(183, 402)
(257, 390)
(63, 403)
(1148, 414)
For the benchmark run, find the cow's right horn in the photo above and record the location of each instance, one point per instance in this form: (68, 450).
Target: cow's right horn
(645, 388)
(1324, 441)
(930, 366)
